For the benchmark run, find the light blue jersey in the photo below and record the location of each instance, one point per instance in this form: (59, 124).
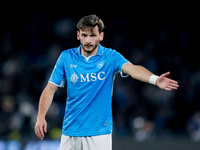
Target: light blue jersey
(89, 90)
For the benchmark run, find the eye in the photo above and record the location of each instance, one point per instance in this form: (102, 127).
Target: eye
(93, 35)
(84, 35)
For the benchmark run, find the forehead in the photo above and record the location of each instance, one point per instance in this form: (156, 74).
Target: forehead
(90, 30)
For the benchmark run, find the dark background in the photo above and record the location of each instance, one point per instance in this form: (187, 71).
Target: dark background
(162, 38)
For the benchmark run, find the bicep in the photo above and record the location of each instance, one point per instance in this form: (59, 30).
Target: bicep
(58, 74)
(127, 68)
(51, 88)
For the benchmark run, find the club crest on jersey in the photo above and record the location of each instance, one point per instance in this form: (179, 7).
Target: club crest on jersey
(74, 78)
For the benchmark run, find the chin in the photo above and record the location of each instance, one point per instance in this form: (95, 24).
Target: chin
(89, 50)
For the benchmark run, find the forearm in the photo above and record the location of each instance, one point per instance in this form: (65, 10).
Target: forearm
(137, 72)
(46, 100)
(44, 104)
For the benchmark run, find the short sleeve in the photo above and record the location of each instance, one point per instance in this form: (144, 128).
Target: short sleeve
(119, 61)
(58, 76)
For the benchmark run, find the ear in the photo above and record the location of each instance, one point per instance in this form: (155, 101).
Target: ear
(78, 35)
(101, 36)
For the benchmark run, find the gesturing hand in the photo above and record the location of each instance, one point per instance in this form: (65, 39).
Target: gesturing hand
(40, 128)
(165, 83)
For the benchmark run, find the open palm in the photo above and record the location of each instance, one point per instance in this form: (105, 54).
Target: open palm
(165, 83)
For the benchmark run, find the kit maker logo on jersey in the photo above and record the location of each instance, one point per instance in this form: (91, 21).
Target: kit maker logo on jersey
(100, 64)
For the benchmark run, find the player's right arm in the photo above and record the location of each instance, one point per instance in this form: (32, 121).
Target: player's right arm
(44, 104)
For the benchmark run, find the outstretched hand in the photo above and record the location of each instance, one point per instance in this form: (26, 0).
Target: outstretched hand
(165, 83)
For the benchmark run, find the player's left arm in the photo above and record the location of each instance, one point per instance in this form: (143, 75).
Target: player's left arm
(140, 73)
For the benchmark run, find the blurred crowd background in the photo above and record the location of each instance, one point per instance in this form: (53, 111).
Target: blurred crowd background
(159, 38)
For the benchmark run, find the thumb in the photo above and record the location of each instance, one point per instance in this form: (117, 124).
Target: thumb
(165, 74)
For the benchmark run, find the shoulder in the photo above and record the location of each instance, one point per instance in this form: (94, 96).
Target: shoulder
(112, 52)
(109, 51)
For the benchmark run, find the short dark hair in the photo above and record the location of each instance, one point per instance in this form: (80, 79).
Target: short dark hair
(90, 21)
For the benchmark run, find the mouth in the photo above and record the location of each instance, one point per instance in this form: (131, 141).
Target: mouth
(88, 46)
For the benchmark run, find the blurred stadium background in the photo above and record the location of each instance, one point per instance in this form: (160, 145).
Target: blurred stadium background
(161, 38)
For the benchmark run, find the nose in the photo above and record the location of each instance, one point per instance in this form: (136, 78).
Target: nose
(88, 39)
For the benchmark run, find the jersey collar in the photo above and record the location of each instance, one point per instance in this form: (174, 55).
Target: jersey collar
(99, 53)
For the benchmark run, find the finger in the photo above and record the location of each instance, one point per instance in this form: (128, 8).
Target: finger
(174, 84)
(168, 89)
(37, 131)
(173, 81)
(172, 87)
(41, 133)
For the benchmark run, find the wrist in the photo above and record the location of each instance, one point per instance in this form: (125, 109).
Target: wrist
(40, 117)
(152, 79)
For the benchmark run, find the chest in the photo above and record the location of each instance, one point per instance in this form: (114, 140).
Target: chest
(82, 71)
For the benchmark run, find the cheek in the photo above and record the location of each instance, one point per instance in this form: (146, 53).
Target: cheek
(81, 40)
(97, 41)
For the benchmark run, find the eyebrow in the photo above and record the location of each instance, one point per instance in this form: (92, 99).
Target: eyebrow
(92, 34)
(83, 34)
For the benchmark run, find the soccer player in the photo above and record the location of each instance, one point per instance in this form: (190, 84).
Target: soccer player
(88, 71)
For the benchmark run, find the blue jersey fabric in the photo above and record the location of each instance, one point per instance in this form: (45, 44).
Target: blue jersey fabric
(89, 90)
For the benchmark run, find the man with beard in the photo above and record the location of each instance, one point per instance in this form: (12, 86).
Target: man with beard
(88, 71)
